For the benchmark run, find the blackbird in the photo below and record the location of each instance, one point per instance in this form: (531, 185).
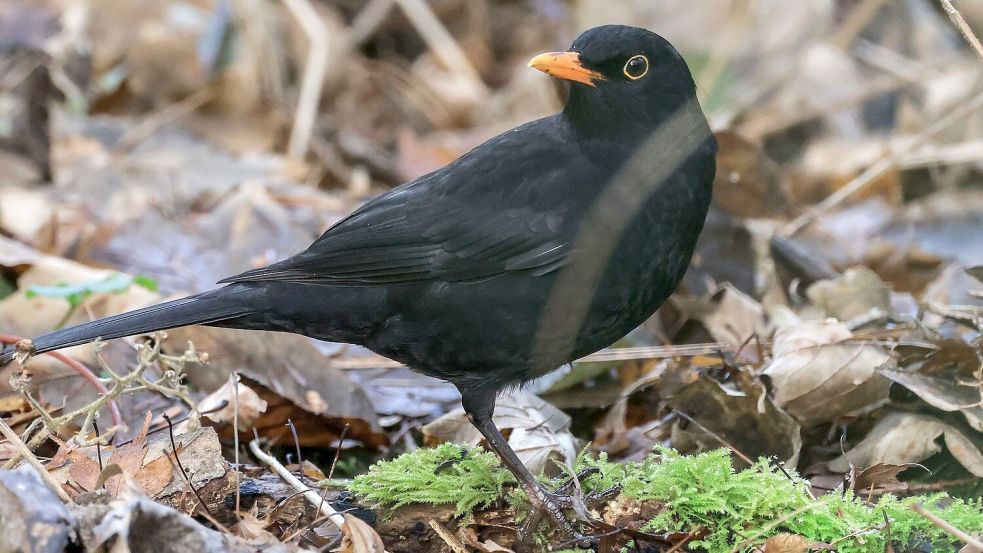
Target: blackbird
(545, 243)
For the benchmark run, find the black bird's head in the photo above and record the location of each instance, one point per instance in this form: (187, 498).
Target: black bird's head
(623, 79)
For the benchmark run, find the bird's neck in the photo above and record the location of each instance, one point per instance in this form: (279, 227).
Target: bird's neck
(615, 132)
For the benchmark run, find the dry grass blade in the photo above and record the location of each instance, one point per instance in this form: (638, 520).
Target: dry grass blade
(963, 27)
(957, 533)
(13, 438)
(873, 172)
(440, 41)
(312, 81)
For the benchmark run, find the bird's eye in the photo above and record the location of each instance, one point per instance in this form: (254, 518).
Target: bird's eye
(636, 67)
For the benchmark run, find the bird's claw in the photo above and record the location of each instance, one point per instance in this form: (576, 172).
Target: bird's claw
(567, 496)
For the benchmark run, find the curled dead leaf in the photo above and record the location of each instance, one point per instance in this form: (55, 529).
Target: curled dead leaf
(359, 537)
(901, 438)
(818, 375)
(220, 405)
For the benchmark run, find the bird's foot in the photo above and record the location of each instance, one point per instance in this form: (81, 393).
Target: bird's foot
(567, 496)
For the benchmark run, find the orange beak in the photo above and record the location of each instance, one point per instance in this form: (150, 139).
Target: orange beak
(565, 65)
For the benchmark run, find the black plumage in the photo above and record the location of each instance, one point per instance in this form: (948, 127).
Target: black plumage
(544, 244)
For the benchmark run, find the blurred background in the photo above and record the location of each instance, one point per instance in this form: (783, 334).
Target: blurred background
(151, 147)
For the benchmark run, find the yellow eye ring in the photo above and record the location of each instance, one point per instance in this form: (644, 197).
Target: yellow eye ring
(636, 67)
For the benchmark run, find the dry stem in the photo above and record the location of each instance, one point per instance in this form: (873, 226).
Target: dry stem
(169, 385)
(33, 461)
(309, 494)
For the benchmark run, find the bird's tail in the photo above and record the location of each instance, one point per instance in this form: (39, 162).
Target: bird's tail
(207, 308)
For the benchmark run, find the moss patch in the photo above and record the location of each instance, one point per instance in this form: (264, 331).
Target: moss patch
(733, 507)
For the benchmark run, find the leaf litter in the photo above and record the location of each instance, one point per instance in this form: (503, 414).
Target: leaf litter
(849, 353)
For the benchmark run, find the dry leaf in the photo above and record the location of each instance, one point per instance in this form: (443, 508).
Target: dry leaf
(748, 184)
(250, 405)
(818, 376)
(156, 475)
(359, 537)
(296, 381)
(787, 543)
(882, 477)
(731, 316)
(754, 426)
(901, 438)
(539, 434)
(855, 293)
(942, 393)
(130, 456)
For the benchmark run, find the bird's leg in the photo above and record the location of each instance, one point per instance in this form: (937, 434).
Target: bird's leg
(479, 404)
(543, 502)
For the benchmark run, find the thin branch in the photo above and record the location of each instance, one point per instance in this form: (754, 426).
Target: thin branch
(439, 39)
(736, 451)
(952, 530)
(309, 494)
(78, 367)
(448, 538)
(882, 166)
(14, 439)
(312, 81)
(963, 27)
(160, 119)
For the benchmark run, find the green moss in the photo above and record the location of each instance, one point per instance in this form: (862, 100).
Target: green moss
(467, 477)
(733, 507)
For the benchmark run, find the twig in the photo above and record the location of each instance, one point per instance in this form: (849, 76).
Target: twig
(13, 438)
(856, 21)
(310, 495)
(686, 539)
(95, 426)
(736, 451)
(312, 81)
(156, 121)
(956, 532)
(367, 21)
(78, 367)
(882, 166)
(293, 433)
(963, 27)
(449, 538)
(234, 379)
(337, 453)
(440, 41)
(204, 506)
(168, 385)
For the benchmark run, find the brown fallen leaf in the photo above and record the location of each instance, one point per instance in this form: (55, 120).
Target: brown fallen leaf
(130, 456)
(84, 470)
(221, 405)
(731, 316)
(293, 378)
(942, 391)
(155, 476)
(856, 292)
(748, 183)
(901, 438)
(359, 537)
(818, 376)
(880, 478)
(787, 543)
(754, 426)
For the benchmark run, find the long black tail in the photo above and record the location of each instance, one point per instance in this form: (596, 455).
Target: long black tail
(210, 307)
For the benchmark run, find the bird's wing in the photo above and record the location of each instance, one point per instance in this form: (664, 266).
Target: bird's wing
(475, 219)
